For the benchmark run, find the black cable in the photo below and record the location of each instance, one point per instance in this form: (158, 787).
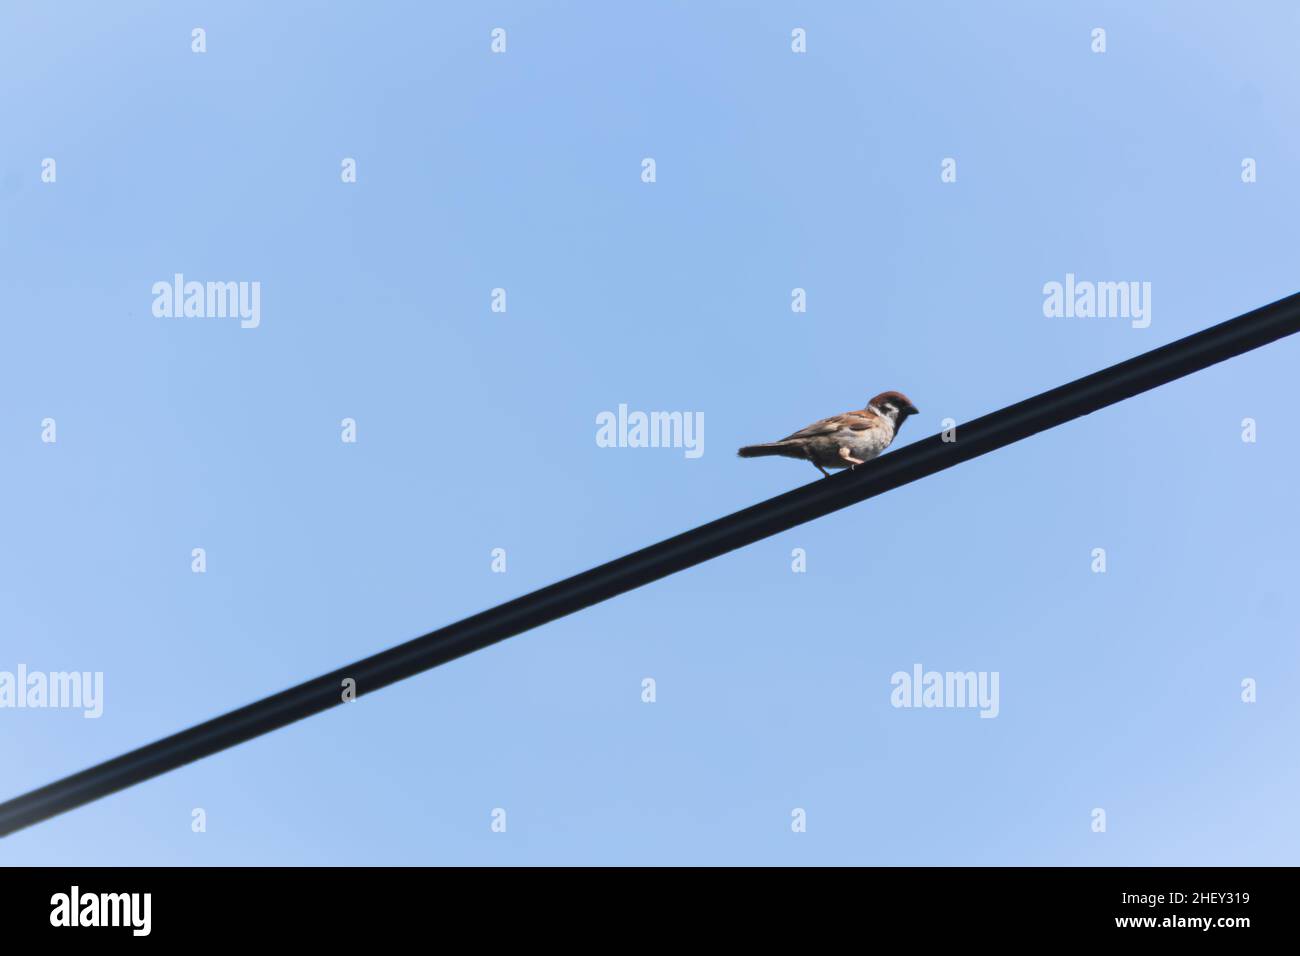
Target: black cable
(823, 496)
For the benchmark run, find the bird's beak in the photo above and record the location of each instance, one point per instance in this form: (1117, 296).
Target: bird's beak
(911, 410)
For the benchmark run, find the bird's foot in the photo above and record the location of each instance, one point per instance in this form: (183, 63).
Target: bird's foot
(853, 462)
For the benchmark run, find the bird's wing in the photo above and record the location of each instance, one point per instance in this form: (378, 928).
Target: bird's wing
(856, 421)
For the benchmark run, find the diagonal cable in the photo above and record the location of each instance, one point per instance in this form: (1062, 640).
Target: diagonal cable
(979, 437)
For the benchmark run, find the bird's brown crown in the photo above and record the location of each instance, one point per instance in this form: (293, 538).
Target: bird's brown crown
(897, 398)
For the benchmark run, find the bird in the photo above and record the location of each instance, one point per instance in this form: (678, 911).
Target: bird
(843, 441)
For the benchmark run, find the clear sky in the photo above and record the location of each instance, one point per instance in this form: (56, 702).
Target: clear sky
(476, 429)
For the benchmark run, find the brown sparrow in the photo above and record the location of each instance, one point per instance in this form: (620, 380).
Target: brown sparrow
(843, 441)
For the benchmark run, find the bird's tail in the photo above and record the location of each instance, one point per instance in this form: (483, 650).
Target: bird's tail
(770, 448)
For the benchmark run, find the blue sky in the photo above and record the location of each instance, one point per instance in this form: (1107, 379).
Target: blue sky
(476, 429)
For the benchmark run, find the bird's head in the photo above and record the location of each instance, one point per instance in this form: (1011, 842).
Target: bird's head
(895, 406)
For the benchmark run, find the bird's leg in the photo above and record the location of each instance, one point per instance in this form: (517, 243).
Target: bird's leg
(808, 451)
(844, 453)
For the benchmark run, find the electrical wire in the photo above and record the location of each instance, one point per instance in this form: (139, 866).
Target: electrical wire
(926, 457)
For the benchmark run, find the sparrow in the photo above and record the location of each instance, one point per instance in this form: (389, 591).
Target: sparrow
(843, 441)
